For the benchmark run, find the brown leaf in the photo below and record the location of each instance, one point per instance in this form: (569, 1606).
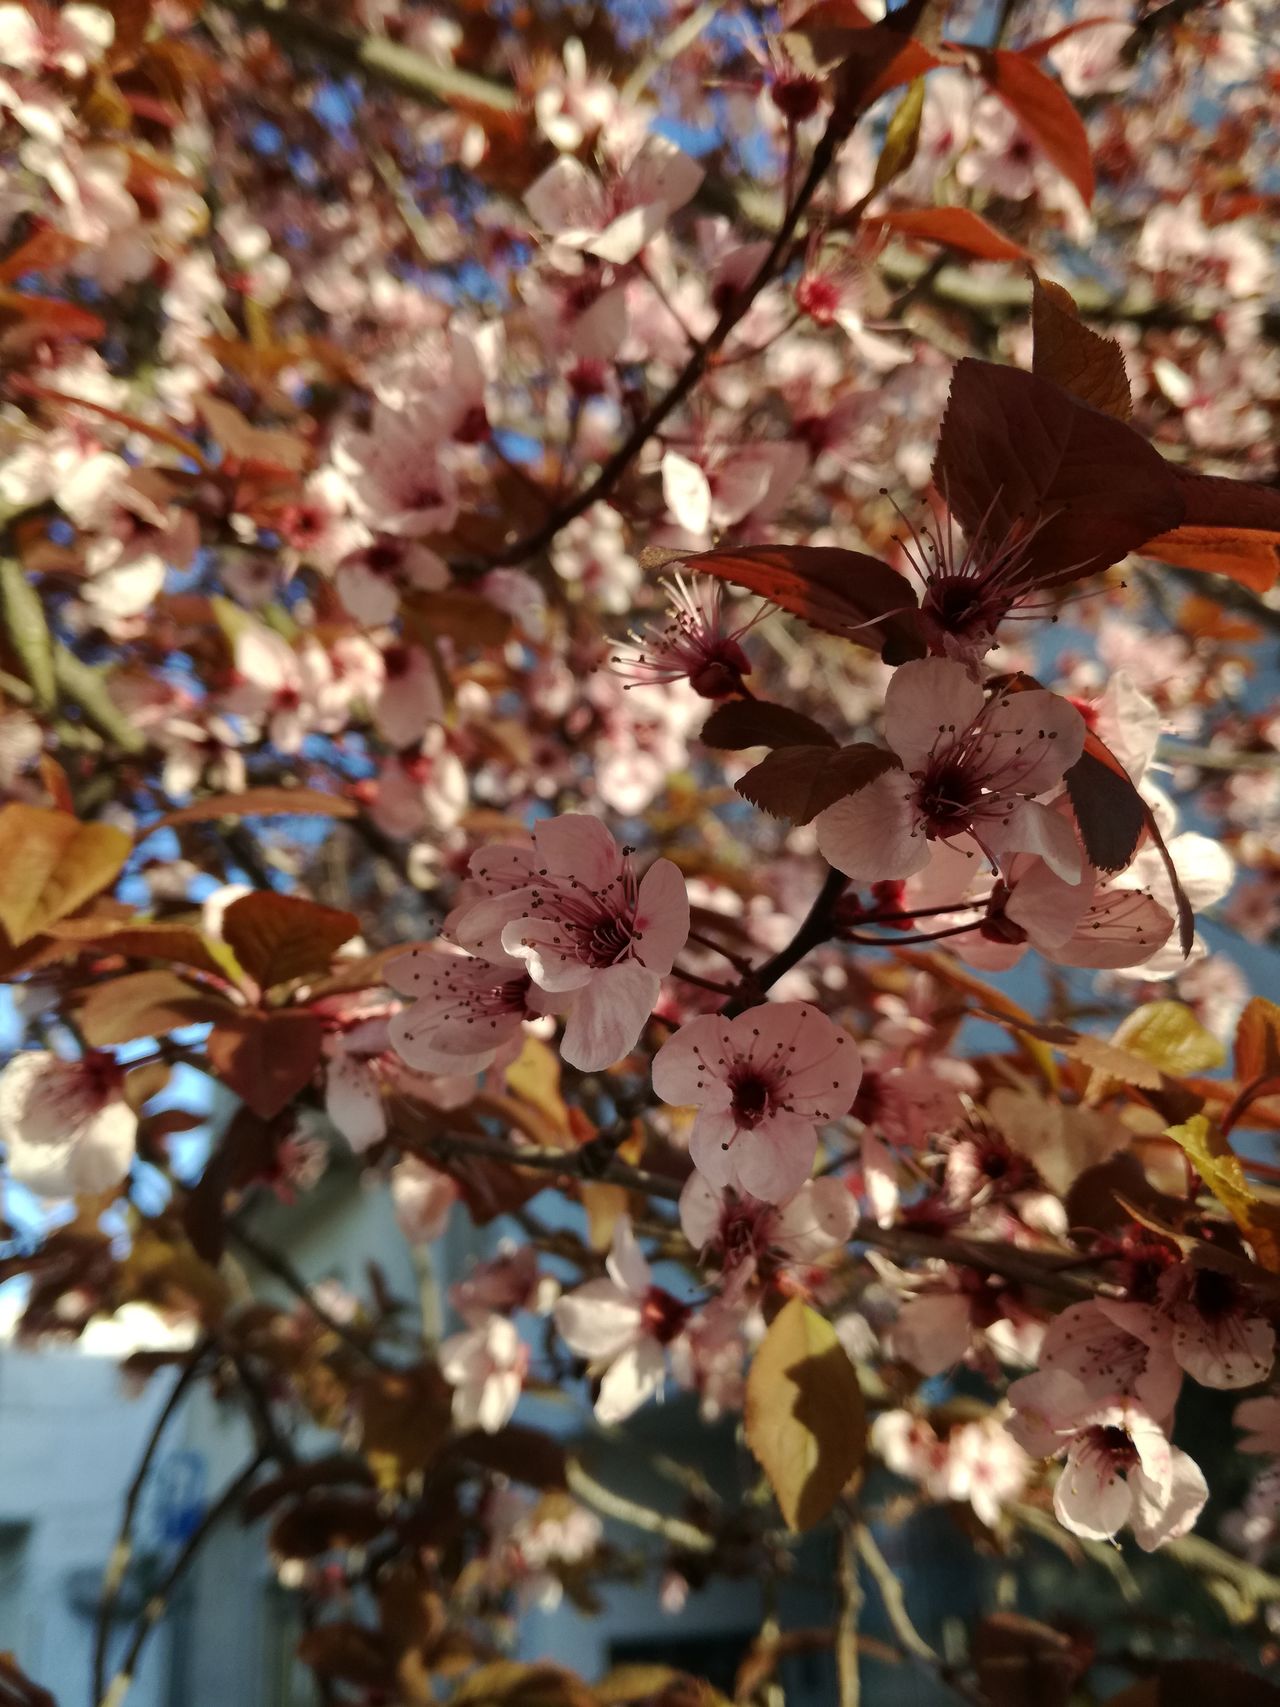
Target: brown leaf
(350, 1653)
(143, 939)
(146, 1004)
(266, 1058)
(1081, 361)
(1109, 811)
(525, 1454)
(1017, 449)
(247, 443)
(740, 723)
(511, 1683)
(404, 1416)
(954, 228)
(277, 938)
(1023, 1663)
(52, 864)
(256, 803)
(1043, 107)
(800, 782)
(1257, 1050)
(848, 593)
(323, 1521)
(463, 616)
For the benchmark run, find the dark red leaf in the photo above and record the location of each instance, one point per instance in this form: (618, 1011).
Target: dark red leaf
(848, 593)
(1016, 448)
(1043, 107)
(800, 782)
(740, 723)
(1230, 527)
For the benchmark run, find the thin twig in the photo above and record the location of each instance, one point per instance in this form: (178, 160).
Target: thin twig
(156, 1607)
(121, 1553)
(687, 1536)
(891, 1594)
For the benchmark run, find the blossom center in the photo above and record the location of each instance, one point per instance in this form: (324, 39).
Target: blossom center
(947, 797)
(662, 1315)
(752, 1098)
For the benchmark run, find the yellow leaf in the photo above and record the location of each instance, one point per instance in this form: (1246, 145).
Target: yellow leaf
(1219, 1167)
(534, 1076)
(805, 1419)
(52, 864)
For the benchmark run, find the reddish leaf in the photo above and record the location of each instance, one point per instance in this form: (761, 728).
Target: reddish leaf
(849, 593)
(1082, 362)
(266, 1059)
(1109, 810)
(740, 723)
(800, 782)
(146, 1004)
(49, 317)
(141, 939)
(1016, 448)
(955, 228)
(42, 251)
(1229, 527)
(1041, 104)
(280, 937)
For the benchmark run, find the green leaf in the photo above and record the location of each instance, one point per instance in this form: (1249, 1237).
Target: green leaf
(82, 685)
(28, 631)
(1169, 1035)
(902, 137)
(805, 1419)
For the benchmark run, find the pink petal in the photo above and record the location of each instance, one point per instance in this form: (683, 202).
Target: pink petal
(875, 834)
(1121, 927)
(608, 1016)
(685, 1068)
(1028, 741)
(662, 916)
(774, 1160)
(576, 845)
(928, 702)
(633, 1379)
(1161, 1515)
(1092, 1498)
(598, 1319)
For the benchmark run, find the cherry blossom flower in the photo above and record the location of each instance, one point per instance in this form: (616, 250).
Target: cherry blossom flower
(504, 1284)
(750, 1237)
(614, 219)
(970, 768)
(573, 910)
(410, 697)
(370, 580)
(1116, 1351)
(66, 1127)
(1220, 1336)
(763, 1084)
(1120, 1466)
(485, 1366)
(67, 38)
(395, 478)
(465, 1012)
(422, 1197)
(353, 1078)
(977, 1461)
(694, 644)
(623, 1324)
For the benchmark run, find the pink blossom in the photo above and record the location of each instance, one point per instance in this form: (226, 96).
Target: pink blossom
(695, 644)
(67, 1130)
(353, 1080)
(622, 1324)
(68, 38)
(614, 219)
(485, 1366)
(371, 580)
(422, 1197)
(465, 1012)
(1220, 1336)
(750, 1237)
(763, 1084)
(572, 909)
(394, 475)
(970, 767)
(975, 1461)
(504, 1284)
(1120, 1466)
(1116, 1351)
(410, 697)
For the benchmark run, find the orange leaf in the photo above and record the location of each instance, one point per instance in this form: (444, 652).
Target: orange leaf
(1082, 362)
(1041, 104)
(955, 228)
(52, 864)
